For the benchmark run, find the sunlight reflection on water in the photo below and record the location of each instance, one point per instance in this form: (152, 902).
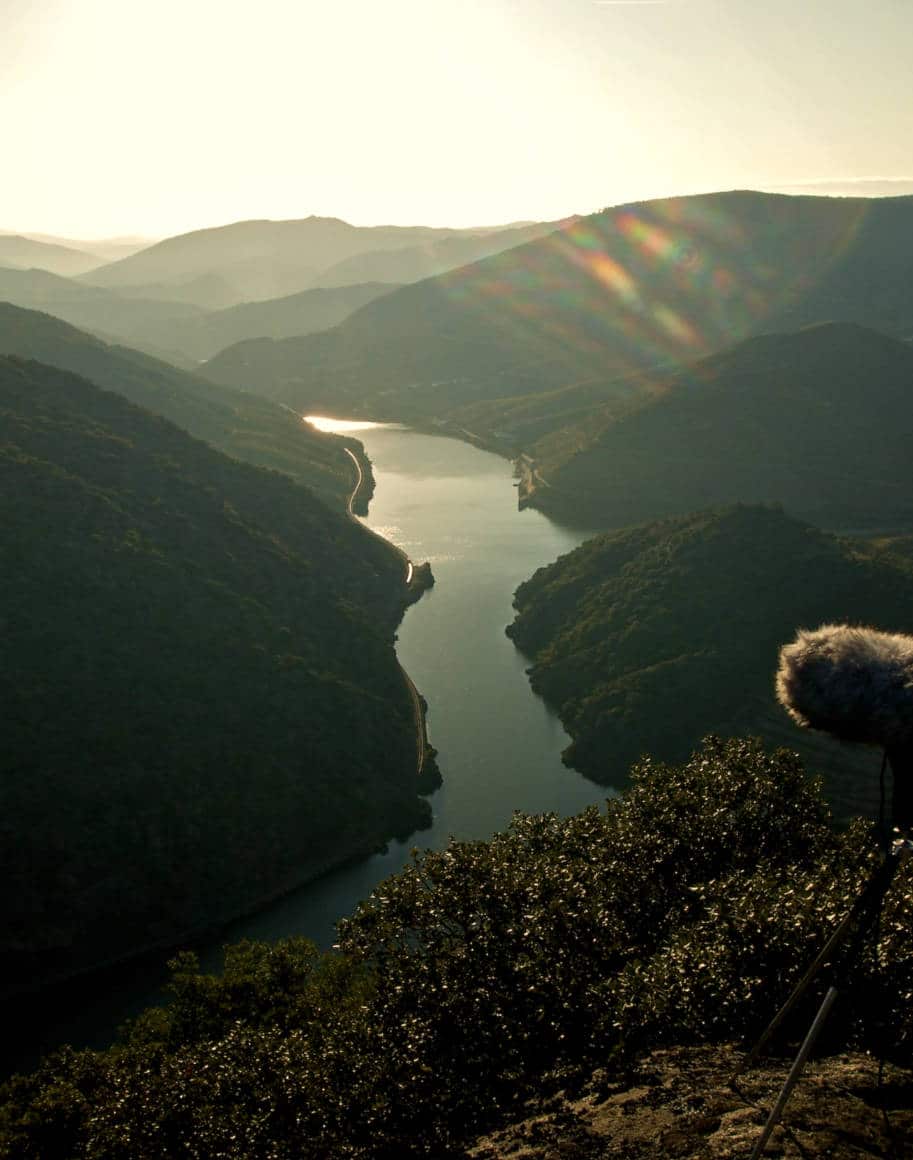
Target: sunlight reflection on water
(342, 426)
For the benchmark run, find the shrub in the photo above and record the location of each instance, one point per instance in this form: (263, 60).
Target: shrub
(685, 910)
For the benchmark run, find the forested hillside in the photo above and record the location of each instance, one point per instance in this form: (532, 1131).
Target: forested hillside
(202, 703)
(820, 421)
(239, 424)
(489, 978)
(634, 287)
(645, 639)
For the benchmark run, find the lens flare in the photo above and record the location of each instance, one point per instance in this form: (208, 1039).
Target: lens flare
(649, 284)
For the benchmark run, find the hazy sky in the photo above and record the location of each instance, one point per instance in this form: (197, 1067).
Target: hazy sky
(159, 116)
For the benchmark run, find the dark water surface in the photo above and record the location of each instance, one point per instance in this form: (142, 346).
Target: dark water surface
(498, 746)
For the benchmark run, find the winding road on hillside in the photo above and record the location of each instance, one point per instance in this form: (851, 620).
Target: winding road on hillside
(418, 711)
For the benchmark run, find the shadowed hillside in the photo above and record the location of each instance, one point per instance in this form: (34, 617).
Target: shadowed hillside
(202, 703)
(238, 424)
(631, 288)
(302, 313)
(145, 323)
(820, 421)
(648, 638)
(500, 981)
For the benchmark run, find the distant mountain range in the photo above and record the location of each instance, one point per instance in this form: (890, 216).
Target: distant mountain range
(250, 261)
(646, 639)
(22, 253)
(202, 704)
(241, 425)
(632, 288)
(178, 331)
(186, 298)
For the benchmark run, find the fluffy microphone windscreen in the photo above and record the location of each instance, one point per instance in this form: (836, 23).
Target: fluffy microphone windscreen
(856, 683)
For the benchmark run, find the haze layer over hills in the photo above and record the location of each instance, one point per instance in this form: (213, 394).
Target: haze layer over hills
(180, 332)
(23, 253)
(201, 697)
(256, 260)
(186, 298)
(239, 424)
(634, 287)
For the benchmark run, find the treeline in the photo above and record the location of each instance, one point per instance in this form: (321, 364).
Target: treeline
(493, 971)
(242, 425)
(645, 639)
(202, 703)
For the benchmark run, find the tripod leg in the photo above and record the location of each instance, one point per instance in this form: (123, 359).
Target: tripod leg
(870, 896)
(795, 1071)
(801, 987)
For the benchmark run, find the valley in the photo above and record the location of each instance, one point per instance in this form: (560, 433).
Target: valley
(586, 482)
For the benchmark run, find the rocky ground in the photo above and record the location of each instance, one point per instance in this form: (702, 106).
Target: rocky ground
(681, 1103)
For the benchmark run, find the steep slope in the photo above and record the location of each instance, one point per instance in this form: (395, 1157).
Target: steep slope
(820, 421)
(311, 310)
(624, 290)
(202, 703)
(22, 252)
(256, 259)
(646, 639)
(144, 323)
(238, 424)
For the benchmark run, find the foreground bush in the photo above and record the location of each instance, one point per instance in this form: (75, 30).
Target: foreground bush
(684, 911)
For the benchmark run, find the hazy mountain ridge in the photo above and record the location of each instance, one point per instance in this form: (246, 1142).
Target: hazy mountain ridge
(645, 639)
(146, 323)
(617, 293)
(417, 262)
(179, 332)
(239, 424)
(202, 700)
(105, 249)
(302, 313)
(21, 252)
(265, 259)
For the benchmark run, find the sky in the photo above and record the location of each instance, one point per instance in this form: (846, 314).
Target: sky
(154, 117)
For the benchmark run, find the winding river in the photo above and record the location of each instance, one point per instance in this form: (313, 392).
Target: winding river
(498, 746)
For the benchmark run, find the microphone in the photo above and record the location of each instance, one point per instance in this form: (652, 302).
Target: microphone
(856, 683)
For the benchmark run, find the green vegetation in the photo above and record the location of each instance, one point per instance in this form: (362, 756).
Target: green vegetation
(632, 288)
(491, 971)
(645, 639)
(819, 421)
(202, 705)
(239, 424)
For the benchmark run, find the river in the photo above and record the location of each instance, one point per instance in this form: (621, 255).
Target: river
(498, 745)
